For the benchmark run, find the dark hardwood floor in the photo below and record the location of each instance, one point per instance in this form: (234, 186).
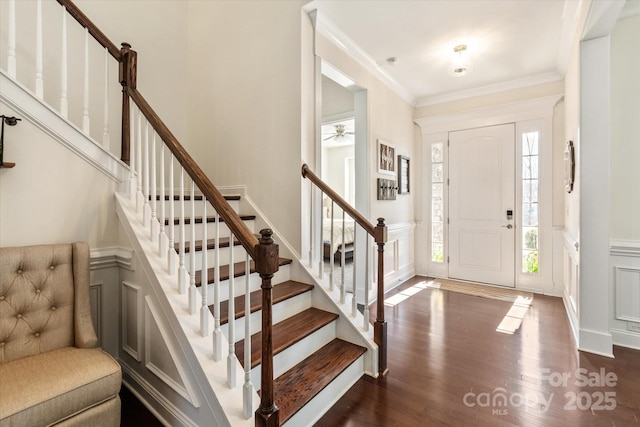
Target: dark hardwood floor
(449, 367)
(134, 413)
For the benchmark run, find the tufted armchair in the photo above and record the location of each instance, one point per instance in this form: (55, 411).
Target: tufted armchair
(51, 371)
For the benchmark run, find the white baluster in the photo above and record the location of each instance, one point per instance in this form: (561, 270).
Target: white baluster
(64, 103)
(105, 131)
(172, 215)
(231, 360)
(204, 309)
(11, 48)
(132, 163)
(204, 277)
(247, 395)
(311, 226)
(39, 76)
(154, 228)
(321, 257)
(217, 331)
(367, 284)
(354, 299)
(162, 242)
(331, 259)
(139, 195)
(182, 271)
(342, 261)
(86, 127)
(146, 212)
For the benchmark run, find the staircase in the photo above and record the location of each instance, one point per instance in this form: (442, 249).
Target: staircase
(233, 303)
(313, 363)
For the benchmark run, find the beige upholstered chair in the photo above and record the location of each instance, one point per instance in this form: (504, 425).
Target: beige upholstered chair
(51, 371)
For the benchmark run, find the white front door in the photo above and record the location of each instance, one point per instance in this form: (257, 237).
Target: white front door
(482, 205)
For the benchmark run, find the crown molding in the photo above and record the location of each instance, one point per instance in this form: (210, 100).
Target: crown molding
(489, 89)
(328, 29)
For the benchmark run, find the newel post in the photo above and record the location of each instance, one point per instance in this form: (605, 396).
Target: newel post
(266, 259)
(380, 326)
(127, 75)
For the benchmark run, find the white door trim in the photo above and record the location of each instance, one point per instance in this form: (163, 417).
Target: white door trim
(435, 129)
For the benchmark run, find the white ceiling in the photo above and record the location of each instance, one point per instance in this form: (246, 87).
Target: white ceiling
(514, 43)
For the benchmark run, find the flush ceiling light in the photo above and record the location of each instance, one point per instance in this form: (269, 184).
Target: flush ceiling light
(461, 63)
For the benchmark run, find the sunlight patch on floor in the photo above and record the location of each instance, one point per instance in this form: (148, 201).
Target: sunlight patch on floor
(402, 296)
(513, 319)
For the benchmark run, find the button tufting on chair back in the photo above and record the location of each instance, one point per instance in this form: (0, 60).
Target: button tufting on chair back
(36, 300)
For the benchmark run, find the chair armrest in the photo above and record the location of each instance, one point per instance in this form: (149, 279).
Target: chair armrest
(85, 335)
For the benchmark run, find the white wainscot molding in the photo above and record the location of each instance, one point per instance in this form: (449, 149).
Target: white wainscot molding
(571, 274)
(399, 259)
(95, 296)
(162, 359)
(105, 266)
(132, 320)
(625, 293)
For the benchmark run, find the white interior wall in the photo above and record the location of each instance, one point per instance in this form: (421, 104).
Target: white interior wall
(157, 31)
(52, 195)
(245, 96)
(625, 128)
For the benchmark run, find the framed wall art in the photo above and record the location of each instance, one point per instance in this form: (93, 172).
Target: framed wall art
(403, 175)
(386, 158)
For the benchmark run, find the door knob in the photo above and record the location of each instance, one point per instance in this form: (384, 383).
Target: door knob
(508, 226)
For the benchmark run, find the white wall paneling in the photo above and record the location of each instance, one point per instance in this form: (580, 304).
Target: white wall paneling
(624, 293)
(398, 254)
(627, 289)
(105, 266)
(571, 274)
(95, 294)
(161, 358)
(131, 314)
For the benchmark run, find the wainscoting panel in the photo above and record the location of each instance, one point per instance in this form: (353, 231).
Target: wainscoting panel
(625, 293)
(95, 294)
(627, 287)
(399, 259)
(571, 280)
(131, 320)
(161, 358)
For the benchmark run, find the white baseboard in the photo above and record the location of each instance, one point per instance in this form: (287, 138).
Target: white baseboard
(142, 389)
(626, 339)
(595, 342)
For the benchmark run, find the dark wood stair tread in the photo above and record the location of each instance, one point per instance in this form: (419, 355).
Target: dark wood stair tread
(238, 271)
(211, 244)
(210, 219)
(280, 292)
(197, 197)
(297, 386)
(287, 333)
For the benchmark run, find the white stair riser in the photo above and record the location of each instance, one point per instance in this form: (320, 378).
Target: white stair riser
(282, 275)
(235, 204)
(211, 230)
(323, 401)
(281, 311)
(299, 351)
(240, 255)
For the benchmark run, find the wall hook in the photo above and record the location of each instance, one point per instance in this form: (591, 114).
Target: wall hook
(9, 121)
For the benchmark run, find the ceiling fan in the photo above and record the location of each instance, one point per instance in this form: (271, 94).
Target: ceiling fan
(340, 132)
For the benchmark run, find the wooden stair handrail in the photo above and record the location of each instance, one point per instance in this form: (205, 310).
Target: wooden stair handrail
(83, 20)
(350, 210)
(224, 209)
(264, 252)
(379, 234)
